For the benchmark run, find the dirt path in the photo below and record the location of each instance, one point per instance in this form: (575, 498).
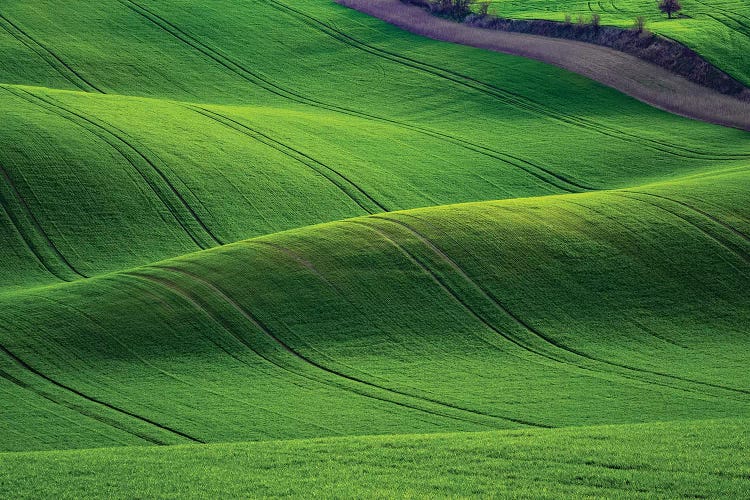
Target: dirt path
(628, 74)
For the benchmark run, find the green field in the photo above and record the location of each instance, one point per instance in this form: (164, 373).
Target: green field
(719, 30)
(317, 251)
(681, 459)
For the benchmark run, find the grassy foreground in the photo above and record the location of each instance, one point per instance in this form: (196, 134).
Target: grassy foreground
(637, 461)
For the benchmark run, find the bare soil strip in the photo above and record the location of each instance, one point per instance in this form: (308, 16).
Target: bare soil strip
(639, 79)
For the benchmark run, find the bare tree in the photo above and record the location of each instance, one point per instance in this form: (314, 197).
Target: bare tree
(669, 7)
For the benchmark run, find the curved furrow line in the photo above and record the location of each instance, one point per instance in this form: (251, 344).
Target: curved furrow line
(272, 87)
(50, 57)
(74, 421)
(300, 260)
(696, 210)
(260, 326)
(172, 287)
(26, 241)
(78, 409)
(447, 289)
(125, 150)
(541, 335)
(342, 182)
(511, 98)
(566, 363)
(99, 402)
(606, 216)
(435, 278)
(726, 24)
(729, 15)
(128, 142)
(152, 158)
(218, 319)
(740, 253)
(32, 232)
(125, 347)
(614, 6)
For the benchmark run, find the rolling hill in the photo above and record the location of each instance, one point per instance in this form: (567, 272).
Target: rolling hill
(231, 222)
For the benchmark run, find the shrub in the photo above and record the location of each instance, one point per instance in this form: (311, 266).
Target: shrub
(568, 20)
(640, 24)
(596, 20)
(457, 9)
(484, 8)
(669, 7)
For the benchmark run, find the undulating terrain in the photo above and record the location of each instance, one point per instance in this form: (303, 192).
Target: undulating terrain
(318, 252)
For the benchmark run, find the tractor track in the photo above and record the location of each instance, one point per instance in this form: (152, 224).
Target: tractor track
(546, 338)
(48, 56)
(99, 402)
(37, 229)
(268, 85)
(341, 181)
(259, 325)
(122, 146)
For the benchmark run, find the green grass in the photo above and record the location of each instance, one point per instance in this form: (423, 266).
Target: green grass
(347, 230)
(551, 311)
(638, 461)
(719, 30)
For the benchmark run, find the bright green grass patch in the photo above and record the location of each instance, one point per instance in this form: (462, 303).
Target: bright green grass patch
(684, 459)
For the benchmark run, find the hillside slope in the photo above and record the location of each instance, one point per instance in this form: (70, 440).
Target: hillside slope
(348, 230)
(616, 307)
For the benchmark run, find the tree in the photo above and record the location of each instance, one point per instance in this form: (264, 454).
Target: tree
(669, 7)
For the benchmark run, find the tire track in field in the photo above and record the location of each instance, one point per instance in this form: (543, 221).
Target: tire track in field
(308, 265)
(640, 325)
(96, 401)
(561, 361)
(58, 64)
(173, 288)
(32, 232)
(178, 199)
(514, 99)
(260, 326)
(218, 319)
(447, 289)
(342, 182)
(729, 14)
(730, 247)
(302, 261)
(159, 183)
(41, 407)
(557, 345)
(541, 173)
(727, 24)
(696, 210)
(151, 156)
(77, 409)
